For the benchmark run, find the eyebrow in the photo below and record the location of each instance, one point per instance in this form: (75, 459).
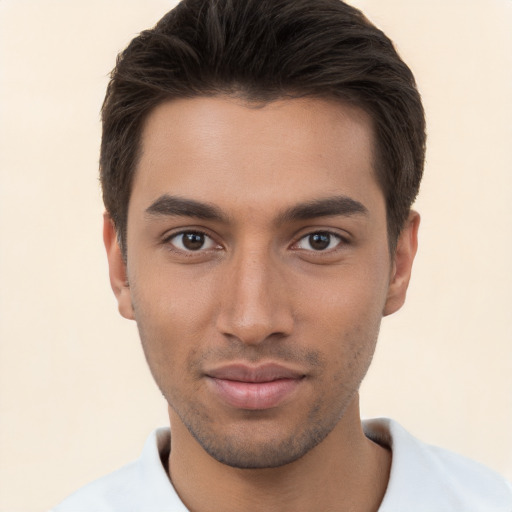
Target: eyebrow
(167, 205)
(175, 206)
(326, 207)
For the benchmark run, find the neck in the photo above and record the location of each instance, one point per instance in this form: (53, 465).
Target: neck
(346, 471)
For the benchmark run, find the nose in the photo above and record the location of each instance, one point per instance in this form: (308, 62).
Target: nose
(255, 305)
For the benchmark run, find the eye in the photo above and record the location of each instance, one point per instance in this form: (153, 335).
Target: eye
(319, 241)
(191, 241)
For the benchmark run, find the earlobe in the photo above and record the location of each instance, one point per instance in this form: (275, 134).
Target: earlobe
(117, 269)
(405, 252)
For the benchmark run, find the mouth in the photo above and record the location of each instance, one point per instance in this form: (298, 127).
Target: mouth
(254, 388)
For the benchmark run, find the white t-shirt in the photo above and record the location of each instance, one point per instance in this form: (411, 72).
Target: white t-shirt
(423, 479)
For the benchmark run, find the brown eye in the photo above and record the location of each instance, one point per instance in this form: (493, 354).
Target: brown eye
(319, 241)
(190, 241)
(193, 241)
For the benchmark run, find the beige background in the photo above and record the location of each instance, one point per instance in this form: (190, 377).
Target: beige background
(76, 399)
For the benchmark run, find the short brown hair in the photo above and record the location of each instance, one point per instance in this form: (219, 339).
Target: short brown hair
(264, 50)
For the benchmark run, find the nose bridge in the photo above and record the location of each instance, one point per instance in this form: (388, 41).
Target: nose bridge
(254, 306)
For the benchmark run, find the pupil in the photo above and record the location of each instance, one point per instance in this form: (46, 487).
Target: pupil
(193, 241)
(319, 241)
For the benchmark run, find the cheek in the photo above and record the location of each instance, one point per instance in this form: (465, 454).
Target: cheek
(348, 355)
(174, 307)
(345, 319)
(171, 298)
(350, 338)
(166, 320)
(348, 297)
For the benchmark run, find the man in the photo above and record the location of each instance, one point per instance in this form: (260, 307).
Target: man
(259, 161)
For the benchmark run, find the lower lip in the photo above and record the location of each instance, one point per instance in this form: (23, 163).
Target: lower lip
(254, 395)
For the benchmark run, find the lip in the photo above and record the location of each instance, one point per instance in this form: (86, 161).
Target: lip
(254, 387)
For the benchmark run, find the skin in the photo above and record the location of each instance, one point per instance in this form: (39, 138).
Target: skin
(233, 275)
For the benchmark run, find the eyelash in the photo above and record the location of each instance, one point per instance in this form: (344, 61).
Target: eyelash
(168, 241)
(340, 240)
(184, 250)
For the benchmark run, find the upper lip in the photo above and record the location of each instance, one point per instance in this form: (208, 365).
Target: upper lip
(261, 373)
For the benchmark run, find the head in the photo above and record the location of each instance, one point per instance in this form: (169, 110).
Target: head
(259, 160)
(261, 51)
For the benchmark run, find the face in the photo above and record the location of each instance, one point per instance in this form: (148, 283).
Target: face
(258, 269)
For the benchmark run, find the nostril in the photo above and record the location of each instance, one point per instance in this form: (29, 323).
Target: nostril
(257, 327)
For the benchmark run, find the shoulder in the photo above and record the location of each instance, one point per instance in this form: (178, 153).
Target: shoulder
(140, 485)
(429, 478)
(118, 489)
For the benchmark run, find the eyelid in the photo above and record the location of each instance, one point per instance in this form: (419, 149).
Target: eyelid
(170, 236)
(343, 240)
(332, 239)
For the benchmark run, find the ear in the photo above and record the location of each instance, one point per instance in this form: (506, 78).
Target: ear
(117, 269)
(405, 251)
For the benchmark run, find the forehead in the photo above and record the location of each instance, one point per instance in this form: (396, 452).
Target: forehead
(222, 149)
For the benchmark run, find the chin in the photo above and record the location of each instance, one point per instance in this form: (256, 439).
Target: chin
(249, 447)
